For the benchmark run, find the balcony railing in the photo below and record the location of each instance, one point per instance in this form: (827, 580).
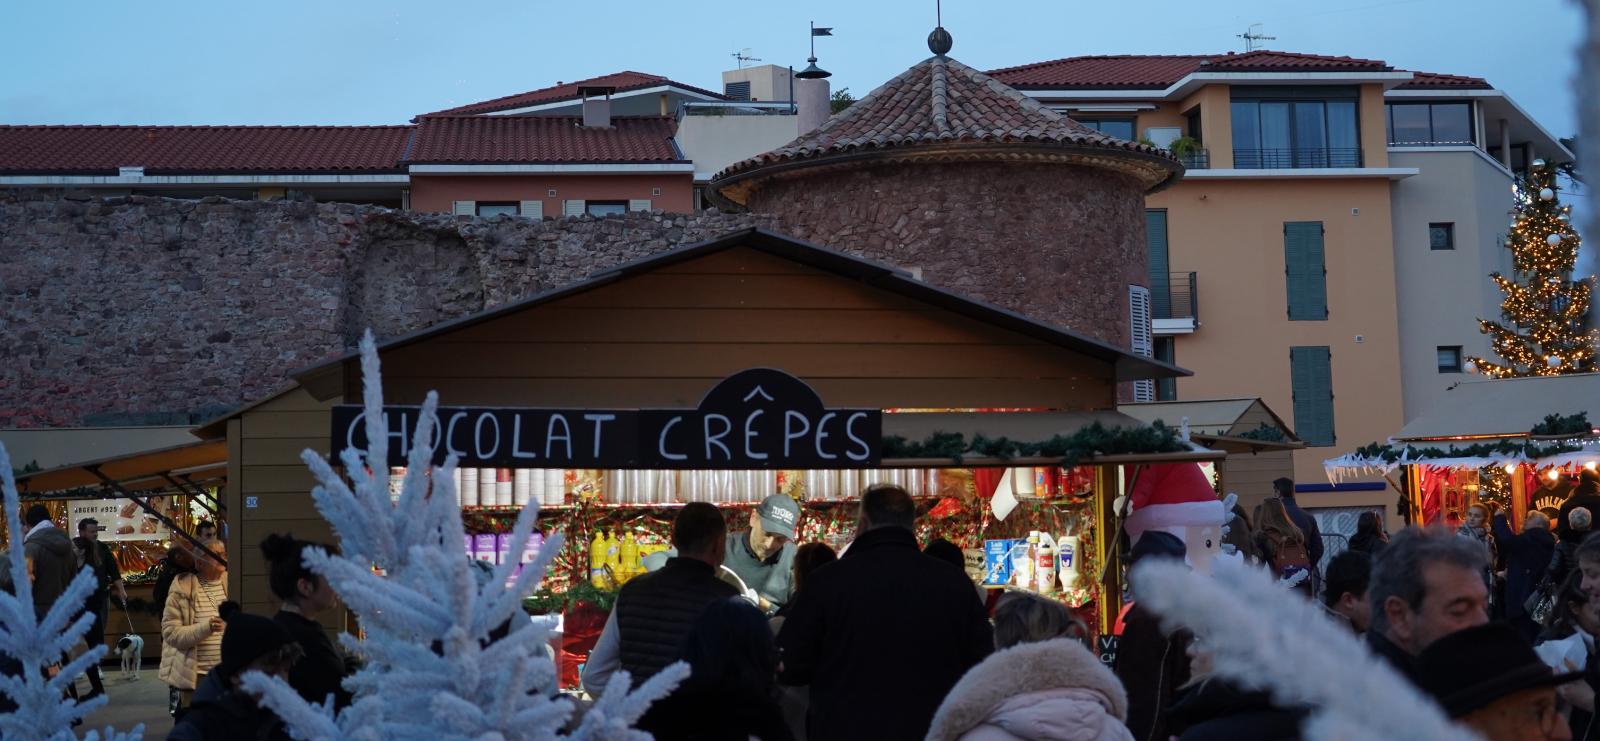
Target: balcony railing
(1196, 160)
(1178, 299)
(1289, 159)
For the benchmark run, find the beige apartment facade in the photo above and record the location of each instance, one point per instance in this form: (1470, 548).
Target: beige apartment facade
(1299, 260)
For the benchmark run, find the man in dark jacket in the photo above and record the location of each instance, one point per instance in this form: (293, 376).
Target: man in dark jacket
(53, 563)
(1586, 495)
(222, 709)
(654, 611)
(1284, 488)
(1527, 557)
(1152, 662)
(1425, 585)
(882, 634)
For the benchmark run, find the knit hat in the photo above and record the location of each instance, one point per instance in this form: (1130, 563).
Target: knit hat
(247, 638)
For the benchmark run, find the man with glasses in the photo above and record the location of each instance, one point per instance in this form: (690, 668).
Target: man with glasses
(1490, 680)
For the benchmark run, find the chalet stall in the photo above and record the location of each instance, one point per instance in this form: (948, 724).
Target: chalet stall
(725, 372)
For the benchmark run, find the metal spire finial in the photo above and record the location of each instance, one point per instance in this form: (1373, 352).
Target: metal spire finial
(939, 42)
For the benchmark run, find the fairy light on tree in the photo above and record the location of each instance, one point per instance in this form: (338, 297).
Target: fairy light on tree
(1542, 333)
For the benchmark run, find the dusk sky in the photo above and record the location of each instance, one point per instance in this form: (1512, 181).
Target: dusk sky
(347, 62)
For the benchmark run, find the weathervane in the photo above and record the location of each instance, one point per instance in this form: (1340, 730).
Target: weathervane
(939, 42)
(812, 71)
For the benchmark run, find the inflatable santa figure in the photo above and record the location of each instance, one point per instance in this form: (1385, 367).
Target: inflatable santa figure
(1177, 498)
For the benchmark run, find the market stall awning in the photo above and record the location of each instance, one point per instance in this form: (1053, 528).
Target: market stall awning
(1505, 407)
(199, 461)
(1030, 426)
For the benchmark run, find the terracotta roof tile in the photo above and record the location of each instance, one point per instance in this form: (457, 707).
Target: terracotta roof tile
(1136, 72)
(938, 102)
(622, 81)
(528, 139)
(100, 150)
(1431, 81)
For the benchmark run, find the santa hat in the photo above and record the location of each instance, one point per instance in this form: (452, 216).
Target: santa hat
(1172, 495)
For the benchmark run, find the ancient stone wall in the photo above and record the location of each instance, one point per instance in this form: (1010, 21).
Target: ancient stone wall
(1059, 243)
(145, 310)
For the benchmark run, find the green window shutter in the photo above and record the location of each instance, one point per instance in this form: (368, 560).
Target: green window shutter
(1305, 271)
(1155, 232)
(1311, 377)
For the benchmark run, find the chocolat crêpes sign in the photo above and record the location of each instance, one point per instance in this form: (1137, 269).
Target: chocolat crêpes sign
(756, 418)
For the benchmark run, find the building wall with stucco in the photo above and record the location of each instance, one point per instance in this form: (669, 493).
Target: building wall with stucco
(1058, 243)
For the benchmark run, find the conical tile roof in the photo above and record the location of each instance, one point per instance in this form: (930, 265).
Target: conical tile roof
(941, 103)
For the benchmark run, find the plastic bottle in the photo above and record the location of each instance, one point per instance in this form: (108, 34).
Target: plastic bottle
(597, 560)
(629, 554)
(614, 559)
(1068, 560)
(1045, 577)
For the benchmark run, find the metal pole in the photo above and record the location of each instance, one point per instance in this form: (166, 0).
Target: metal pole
(196, 493)
(172, 526)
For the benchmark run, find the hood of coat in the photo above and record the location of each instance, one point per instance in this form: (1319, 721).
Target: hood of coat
(1025, 669)
(52, 539)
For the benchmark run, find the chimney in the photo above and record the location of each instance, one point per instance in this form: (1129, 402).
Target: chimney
(596, 105)
(812, 103)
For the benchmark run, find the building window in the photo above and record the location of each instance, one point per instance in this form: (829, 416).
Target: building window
(605, 208)
(1449, 358)
(1194, 124)
(1166, 352)
(1305, 271)
(1121, 128)
(1441, 236)
(1311, 378)
(1429, 124)
(1139, 315)
(737, 90)
(1275, 134)
(491, 208)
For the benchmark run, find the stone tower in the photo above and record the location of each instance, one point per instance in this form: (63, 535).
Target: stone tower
(986, 192)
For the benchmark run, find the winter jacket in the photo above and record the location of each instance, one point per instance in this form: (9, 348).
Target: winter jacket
(218, 715)
(1586, 496)
(1527, 558)
(54, 566)
(181, 634)
(881, 635)
(1368, 543)
(1152, 665)
(323, 667)
(656, 610)
(1398, 659)
(705, 715)
(1307, 525)
(1562, 560)
(1216, 710)
(1050, 691)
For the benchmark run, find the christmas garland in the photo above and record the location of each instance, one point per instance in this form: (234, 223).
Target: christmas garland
(547, 602)
(1481, 450)
(1575, 425)
(1265, 433)
(1096, 439)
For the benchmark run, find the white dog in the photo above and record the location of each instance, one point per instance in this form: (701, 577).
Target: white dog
(131, 649)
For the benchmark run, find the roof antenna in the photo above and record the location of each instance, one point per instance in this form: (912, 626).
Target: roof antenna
(1250, 37)
(939, 42)
(743, 57)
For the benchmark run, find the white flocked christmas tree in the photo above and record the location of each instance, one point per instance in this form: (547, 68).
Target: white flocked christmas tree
(43, 712)
(403, 572)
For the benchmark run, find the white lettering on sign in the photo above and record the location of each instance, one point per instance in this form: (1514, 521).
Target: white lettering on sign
(516, 439)
(821, 423)
(789, 433)
(716, 439)
(449, 438)
(749, 433)
(477, 436)
(850, 431)
(598, 419)
(550, 435)
(661, 445)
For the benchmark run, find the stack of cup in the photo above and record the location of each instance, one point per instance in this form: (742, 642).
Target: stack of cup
(519, 487)
(503, 488)
(555, 487)
(536, 485)
(469, 487)
(457, 477)
(486, 482)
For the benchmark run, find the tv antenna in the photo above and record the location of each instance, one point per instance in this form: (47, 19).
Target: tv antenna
(1251, 36)
(743, 57)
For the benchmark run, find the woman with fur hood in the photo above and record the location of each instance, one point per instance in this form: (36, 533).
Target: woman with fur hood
(1041, 685)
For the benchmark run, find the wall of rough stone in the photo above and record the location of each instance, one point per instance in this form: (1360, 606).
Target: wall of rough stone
(1059, 243)
(145, 310)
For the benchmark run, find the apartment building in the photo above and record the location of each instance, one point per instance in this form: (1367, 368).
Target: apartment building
(1328, 248)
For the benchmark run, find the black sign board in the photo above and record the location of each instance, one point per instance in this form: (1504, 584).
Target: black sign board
(753, 419)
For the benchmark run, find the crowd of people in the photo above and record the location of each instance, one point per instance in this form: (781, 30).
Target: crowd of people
(891, 640)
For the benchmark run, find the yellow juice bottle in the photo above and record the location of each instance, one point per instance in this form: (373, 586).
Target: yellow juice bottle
(597, 560)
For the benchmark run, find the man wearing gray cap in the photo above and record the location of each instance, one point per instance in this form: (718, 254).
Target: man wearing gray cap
(763, 556)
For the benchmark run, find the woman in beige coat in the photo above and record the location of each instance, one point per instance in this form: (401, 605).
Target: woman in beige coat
(191, 630)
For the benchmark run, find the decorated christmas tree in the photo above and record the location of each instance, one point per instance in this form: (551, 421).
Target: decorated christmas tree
(1543, 331)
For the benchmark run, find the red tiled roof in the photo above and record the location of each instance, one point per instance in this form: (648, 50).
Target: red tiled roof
(1432, 81)
(529, 139)
(622, 81)
(1135, 72)
(100, 150)
(938, 102)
